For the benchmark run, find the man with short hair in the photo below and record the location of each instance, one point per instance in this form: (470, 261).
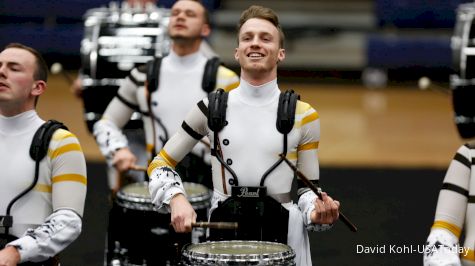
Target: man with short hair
(48, 217)
(180, 79)
(246, 151)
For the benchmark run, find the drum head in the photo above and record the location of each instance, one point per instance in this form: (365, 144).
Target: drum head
(136, 196)
(238, 253)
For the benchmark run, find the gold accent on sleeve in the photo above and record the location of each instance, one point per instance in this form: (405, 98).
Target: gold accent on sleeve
(64, 149)
(308, 146)
(69, 177)
(43, 188)
(167, 158)
(448, 226)
(154, 165)
(309, 118)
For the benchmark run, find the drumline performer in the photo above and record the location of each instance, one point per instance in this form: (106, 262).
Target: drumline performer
(163, 90)
(43, 179)
(249, 128)
(455, 211)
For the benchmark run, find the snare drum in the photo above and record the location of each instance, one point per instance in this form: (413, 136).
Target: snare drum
(141, 235)
(238, 253)
(117, 39)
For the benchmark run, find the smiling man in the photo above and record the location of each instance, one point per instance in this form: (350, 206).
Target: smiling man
(246, 145)
(48, 217)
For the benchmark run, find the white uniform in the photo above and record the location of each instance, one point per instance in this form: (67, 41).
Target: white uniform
(179, 88)
(455, 209)
(48, 218)
(250, 145)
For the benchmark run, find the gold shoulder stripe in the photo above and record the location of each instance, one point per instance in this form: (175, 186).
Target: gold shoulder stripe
(43, 188)
(448, 226)
(469, 256)
(308, 146)
(309, 118)
(231, 87)
(62, 134)
(302, 107)
(64, 149)
(69, 177)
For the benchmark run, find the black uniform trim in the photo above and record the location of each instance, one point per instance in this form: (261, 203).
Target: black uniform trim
(455, 188)
(191, 132)
(461, 159)
(129, 104)
(203, 108)
(135, 81)
(471, 199)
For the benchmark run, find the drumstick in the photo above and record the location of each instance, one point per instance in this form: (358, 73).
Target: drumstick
(138, 168)
(309, 184)
(216, 225)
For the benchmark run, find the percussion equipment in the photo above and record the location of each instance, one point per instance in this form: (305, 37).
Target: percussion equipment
(140, 234)
(117, 39)
(238, 253)
(462, 42)
(463, 94)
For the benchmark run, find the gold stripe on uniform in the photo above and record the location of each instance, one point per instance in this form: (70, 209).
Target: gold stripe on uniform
(43, 188)
(149, 148)
(469, 256)
(448, 226)
(64, 149)
(156, 164)
(308, 146)
(69, 177)
(231, 87)
(62, 134)
(309, 118)
(302, 107)
(291, 156)
(167, 158)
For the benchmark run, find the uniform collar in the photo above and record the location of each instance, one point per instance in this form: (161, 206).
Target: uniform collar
(187, 61)
(258, 95)
(19, 123)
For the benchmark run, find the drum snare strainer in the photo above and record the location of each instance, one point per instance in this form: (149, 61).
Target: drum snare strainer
(238, 253)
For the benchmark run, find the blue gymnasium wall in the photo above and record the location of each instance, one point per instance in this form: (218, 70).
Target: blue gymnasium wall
(408, 34)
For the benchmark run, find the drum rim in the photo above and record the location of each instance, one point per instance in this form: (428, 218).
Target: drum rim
(140, 202)
(201, 257)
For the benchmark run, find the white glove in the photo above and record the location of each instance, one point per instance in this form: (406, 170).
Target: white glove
(441, 249)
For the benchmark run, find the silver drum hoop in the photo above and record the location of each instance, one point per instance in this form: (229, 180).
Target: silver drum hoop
(136, 196)
(238, 253)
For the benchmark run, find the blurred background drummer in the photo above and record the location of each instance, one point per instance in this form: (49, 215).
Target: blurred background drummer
(99, 89)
